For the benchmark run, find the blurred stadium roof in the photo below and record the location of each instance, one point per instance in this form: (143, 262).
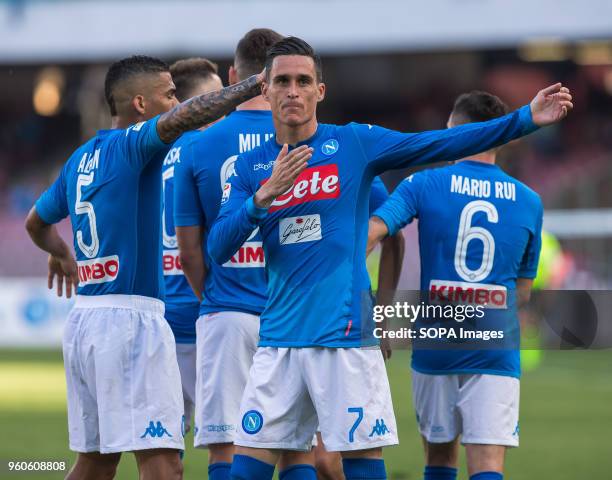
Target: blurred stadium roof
(62, 30)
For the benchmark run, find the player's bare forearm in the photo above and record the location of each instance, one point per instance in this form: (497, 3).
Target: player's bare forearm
(523, 291)
(203, 109)
(391, 258)
(190, 254)
(45, 236)
(377, 230)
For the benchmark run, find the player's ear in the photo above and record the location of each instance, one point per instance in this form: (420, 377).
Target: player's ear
(264, 90)
(321, 91)
(138, 102)
(232, 75)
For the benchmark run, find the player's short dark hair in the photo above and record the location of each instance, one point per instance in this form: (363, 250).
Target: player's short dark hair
(293, 46)
(187, 73)
(477, 106)
(250, 56)
(122, 70)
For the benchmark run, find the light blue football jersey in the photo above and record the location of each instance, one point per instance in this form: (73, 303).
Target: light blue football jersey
(479, 230)
(206, 161)
(314, 235)
(182, 306)
(111, 188)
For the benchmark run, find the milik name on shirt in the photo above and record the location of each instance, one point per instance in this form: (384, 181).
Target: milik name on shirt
(476, 187)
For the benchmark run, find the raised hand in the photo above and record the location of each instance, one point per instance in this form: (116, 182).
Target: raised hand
(287, 167)
(551, 105)
(65, 271)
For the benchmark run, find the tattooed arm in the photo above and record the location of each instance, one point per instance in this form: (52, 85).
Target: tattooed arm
(203, 109)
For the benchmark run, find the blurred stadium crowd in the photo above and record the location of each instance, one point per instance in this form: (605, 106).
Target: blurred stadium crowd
(46, 110)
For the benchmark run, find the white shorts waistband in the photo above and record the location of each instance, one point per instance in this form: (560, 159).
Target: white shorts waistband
(134, 302)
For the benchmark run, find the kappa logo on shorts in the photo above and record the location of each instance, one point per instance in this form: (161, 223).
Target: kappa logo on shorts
(380, 428)
(155, 430)
(252, 422)
(516, 430)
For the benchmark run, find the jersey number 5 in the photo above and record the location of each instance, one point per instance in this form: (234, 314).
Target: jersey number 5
(467, 233)
(81, 208)
(168, 240)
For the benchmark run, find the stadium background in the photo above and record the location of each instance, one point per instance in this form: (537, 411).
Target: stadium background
(391, 63)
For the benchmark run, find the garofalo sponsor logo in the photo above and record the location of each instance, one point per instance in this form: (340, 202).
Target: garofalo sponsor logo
(306, 228)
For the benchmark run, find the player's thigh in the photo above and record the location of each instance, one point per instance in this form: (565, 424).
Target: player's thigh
(435, 400)
(276, 411)
(226, 343)
(489, 408)
(351, 393)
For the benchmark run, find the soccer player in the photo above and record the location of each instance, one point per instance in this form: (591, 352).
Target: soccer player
(311, 208)
(192, 76)
(479, 231)
(119, 355)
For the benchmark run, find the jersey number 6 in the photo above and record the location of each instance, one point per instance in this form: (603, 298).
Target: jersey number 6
(467, 233)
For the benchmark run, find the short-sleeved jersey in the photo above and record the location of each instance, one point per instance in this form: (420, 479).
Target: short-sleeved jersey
(479, 230)
(206, 161)
(182, 306)
(315, 234)
(111, 188)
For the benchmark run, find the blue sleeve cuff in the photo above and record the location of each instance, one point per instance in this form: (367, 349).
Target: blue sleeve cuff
(253, 211)
(187, 220)
(154, 134)
(527, 120)
(380, 213)
(45, 214)
(530, 274)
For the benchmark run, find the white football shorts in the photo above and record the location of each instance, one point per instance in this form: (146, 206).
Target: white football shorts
(226, 343)
(186, 356)
(122, 376)
(342, 391)
(483, 409)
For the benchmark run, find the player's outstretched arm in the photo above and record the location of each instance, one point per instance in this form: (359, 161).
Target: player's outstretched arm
(242, 209)
(203, 109)
(377, 230)
(388, 149)
(62, 264)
